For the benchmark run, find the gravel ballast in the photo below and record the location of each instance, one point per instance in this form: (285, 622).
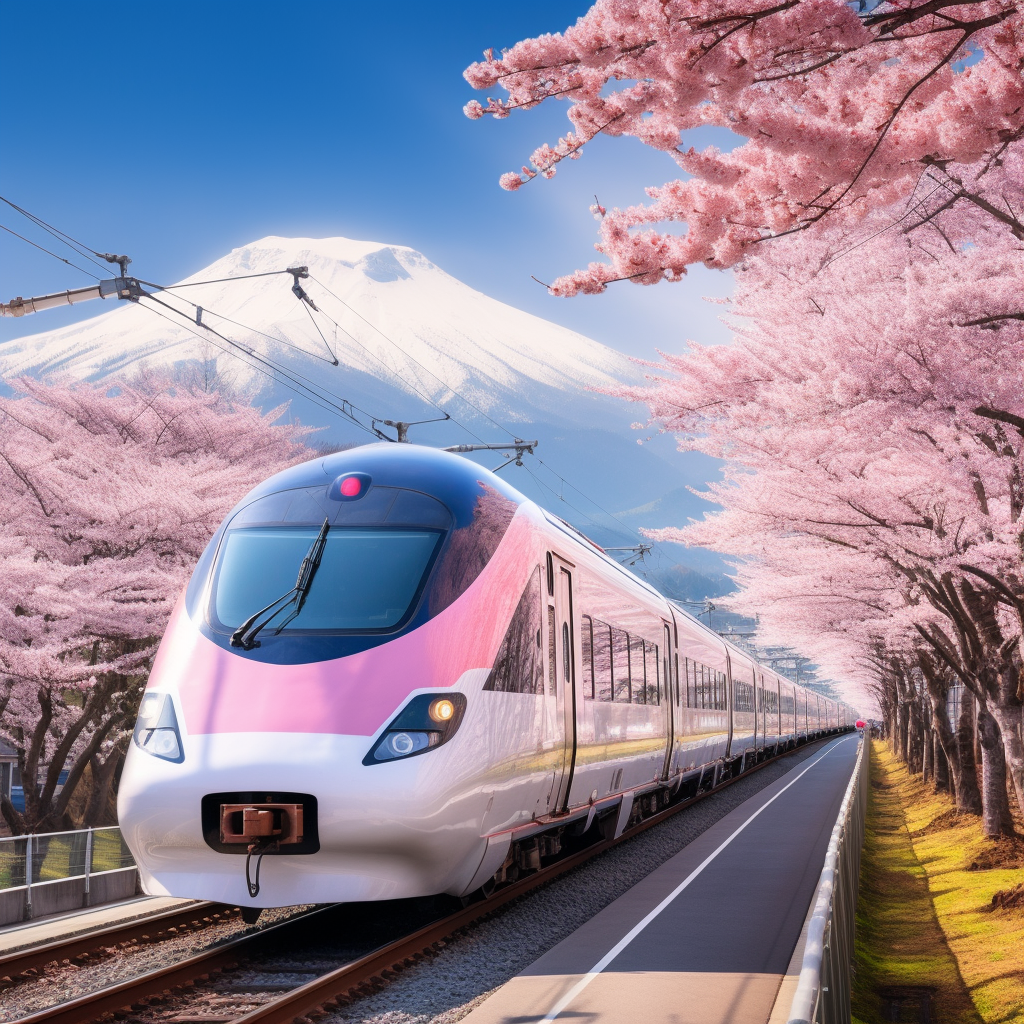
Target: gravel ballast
(61, 982)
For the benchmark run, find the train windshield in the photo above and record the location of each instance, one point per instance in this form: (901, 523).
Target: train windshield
(368, 580)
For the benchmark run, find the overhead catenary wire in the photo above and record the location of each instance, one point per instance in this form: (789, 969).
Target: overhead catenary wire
(170, 290)
(309, 313)
(88, 273)
(267, 373)
(280, 368)
(71, 243)
(411, 357)
(214, 280)
(340, 406)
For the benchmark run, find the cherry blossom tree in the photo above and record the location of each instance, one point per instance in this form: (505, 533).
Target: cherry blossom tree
(874, 438)
(913, 106)
(108, 494)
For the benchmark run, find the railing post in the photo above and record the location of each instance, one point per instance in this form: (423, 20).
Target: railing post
(88, 865)
(28, 878)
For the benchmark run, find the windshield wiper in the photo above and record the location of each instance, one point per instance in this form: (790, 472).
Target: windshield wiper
(245, 635)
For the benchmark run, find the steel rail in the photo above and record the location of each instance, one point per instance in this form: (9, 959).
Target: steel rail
(95, 939)
(88, 1007)
(359, 976)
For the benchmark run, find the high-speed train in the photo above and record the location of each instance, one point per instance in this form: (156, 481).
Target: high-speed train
(393, 675)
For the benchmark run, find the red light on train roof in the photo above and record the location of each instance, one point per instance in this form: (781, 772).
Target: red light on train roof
(349, 487)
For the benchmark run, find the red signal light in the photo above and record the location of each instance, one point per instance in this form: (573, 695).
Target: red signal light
(349, 487)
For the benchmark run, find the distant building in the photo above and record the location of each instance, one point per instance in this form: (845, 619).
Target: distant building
(8, 767)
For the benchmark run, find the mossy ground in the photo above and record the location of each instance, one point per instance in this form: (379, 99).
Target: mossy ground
(925, 918)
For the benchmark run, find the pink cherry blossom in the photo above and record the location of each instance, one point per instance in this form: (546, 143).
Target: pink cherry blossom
(842, 112)
(108, 494)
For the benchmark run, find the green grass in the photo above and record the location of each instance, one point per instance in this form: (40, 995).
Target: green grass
(923, 919)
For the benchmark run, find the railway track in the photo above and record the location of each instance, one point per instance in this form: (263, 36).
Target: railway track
(162, 994)
(148, 928)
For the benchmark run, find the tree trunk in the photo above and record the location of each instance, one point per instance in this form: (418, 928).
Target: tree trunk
(968, 796)
(904, 731)
(977, 734)
(102, 776)
(996, 818)
(941, 764)
(1009, 718)
(926, 750)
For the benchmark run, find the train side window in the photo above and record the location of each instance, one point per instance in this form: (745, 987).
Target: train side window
(518, 666)
(744, 696)
(552, 669)
(620, 665)
(566, 653)
(653, 681)
(637, 670)
(587, 645)
(602, 661)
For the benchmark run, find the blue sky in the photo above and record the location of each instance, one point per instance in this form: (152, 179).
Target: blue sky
(177, 131)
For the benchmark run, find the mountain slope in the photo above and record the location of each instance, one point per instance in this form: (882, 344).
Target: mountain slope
(395, 316)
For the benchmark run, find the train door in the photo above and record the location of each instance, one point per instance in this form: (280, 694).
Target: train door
(669, 684)
(730, 704)
(762, 713)
(562, 648)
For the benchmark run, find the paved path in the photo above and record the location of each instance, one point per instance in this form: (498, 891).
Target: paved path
(59, 926)
(707, 937)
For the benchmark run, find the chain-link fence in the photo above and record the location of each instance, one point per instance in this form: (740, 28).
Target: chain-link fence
(823, 991)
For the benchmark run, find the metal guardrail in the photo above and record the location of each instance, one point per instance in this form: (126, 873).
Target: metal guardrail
(823, 991)
(50, 856)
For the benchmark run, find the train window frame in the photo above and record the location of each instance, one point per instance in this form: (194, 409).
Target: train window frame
(620, 661)
(587, 655)
(603, 684)
(638, 679)
(652, 658)
(552, 660)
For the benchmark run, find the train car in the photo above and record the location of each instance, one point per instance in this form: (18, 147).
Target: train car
(392, 675)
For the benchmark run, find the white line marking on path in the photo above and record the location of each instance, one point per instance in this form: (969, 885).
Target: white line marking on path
(612, 953)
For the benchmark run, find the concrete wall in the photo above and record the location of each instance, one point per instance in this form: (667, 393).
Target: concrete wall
(67, 894)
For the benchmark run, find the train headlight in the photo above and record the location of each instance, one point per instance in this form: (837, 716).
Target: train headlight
(427, 721)
(156, 729)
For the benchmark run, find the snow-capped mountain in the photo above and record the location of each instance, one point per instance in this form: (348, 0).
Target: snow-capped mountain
(387, 313)
(409, 340)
